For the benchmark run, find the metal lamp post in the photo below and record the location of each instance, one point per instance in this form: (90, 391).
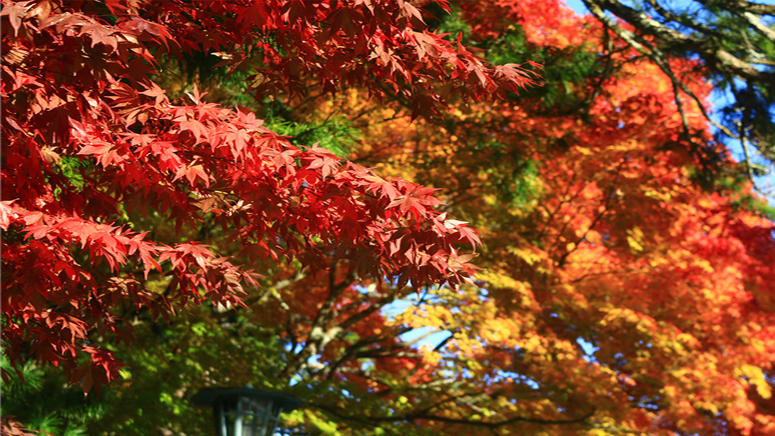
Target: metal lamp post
(246, 411)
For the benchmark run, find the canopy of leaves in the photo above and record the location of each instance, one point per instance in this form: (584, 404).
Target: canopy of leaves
(627, 283)
(93, 146)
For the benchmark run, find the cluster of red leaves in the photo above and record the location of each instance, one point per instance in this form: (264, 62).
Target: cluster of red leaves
(89, 139)
(11, 427)
(384, 39)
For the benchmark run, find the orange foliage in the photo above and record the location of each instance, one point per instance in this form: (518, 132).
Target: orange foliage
(617, 247)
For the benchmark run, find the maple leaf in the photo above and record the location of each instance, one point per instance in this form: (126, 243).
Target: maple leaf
(15, 11)
(197, 129)
(325, 160)
(100, 34)
(154, 91)
(382, 186)
(415, 201)
(196, 97)
(191, 173)
(466, 232)
(104, 369)
(7, 214)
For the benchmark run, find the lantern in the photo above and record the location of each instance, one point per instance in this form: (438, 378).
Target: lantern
(246, 411)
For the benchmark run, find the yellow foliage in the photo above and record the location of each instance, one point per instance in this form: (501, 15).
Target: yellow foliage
(755, 376)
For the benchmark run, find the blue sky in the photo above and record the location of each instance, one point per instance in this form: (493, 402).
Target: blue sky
(577, 5)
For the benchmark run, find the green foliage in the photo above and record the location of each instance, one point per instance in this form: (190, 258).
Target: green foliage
(564, 71)
(167, 365)
(44, 402)
(335, 133)
(172, 361)
(516, 178)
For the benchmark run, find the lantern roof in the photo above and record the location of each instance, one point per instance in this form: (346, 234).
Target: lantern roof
(209, 396)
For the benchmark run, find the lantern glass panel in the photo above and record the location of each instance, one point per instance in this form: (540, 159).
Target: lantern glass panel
(254, 416)
(225, 417)
(273, 417)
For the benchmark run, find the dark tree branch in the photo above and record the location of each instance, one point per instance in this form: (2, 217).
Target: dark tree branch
(741, 5)
(318, 336)
(708, 48)
(656, 55)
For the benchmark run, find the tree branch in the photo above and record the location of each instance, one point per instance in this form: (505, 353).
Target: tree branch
(421, 415)
(658, 57)
(710, 50)
(741, 5)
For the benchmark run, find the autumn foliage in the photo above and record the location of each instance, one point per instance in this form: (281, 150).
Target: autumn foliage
(619, 294)
(627, 269)
(90, 139)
